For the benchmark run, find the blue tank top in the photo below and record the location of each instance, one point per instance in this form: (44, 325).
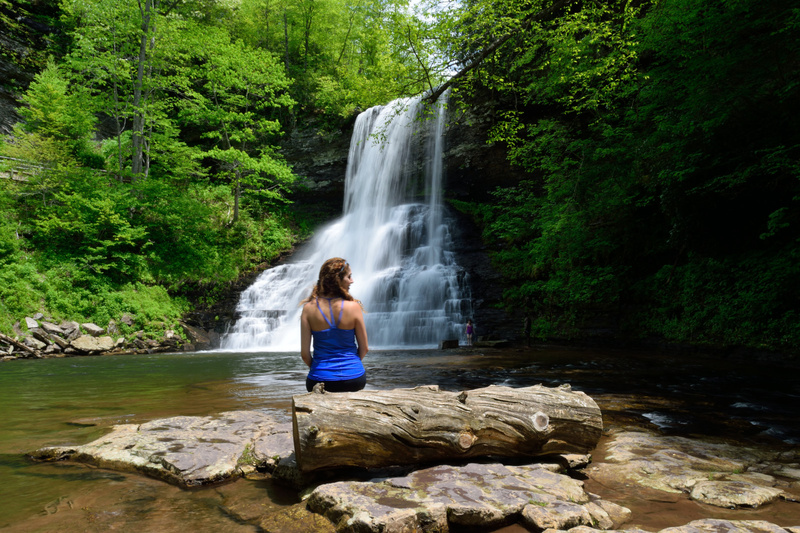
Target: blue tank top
(335, 352)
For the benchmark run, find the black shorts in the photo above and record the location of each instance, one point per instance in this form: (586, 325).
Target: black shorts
(347, 385)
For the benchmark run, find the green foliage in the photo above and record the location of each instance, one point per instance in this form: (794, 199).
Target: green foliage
(9, 226)
(663, 192)
(52, 111)
(21, 292)
(68, 292)
(77, 242)
(343, 55)
(57, 126)
(746, 299)
(659, 140)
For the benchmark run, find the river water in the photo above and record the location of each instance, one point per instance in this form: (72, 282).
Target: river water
(75, 400)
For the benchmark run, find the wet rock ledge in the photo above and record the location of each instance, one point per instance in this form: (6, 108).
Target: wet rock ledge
(480, 495)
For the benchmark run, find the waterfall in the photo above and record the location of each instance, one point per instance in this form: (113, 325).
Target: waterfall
(394, 233)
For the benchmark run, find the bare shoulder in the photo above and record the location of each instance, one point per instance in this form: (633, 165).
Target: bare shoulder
(354, 307)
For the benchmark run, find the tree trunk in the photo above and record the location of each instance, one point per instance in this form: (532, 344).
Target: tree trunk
(18, 345)
(285, 42)
(237, 191)
(137, 135)
(409, 426)
(308, 17)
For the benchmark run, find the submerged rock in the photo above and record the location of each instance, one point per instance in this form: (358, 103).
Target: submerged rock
(706, 525)
(715, 473)
(713, 525)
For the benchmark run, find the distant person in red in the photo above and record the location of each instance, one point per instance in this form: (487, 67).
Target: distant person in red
(470, 330)
(335, 322)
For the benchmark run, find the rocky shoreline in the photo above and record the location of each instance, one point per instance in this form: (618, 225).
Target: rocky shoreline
(43, 338)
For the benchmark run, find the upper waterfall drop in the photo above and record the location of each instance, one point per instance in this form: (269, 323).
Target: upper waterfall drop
(394, 233)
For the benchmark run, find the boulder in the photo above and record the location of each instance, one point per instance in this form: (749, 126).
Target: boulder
(52, 329)
(34, 344)
(93, 345)
(734, 493)
(214, 338)
(30, 323)
(92, 329)
(72, 330)
(197, 336)
(62, 343)
(448, 344)
(40, 335)
(52, 349)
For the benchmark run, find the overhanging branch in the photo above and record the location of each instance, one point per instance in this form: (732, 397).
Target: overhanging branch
(500, 41)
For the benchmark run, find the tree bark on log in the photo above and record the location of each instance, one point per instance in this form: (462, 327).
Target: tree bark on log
(373, 429)
(18, 345)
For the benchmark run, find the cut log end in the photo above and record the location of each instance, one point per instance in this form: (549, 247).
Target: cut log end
(540, 421)
(466, 439)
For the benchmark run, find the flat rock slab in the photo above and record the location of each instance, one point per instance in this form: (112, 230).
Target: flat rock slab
(473, 496)
(708, 525)
(714, 473)
(186, 450)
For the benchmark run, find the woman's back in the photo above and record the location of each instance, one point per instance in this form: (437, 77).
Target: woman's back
(340, 313)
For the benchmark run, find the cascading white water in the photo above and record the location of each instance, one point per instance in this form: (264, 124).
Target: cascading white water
(399, 250)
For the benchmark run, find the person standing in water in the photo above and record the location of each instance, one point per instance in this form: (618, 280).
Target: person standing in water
(470, 330)
(335, 322)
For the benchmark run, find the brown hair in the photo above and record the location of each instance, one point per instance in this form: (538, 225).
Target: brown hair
(332, 272)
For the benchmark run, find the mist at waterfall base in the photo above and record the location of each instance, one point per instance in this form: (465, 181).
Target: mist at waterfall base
(394, 233)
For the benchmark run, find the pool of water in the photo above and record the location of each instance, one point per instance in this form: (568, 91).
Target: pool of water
(75, 400)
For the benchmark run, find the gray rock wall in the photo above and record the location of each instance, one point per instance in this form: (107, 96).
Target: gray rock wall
(23, 39)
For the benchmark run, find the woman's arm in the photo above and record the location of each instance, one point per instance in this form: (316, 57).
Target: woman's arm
(305, 337)
(361, 330)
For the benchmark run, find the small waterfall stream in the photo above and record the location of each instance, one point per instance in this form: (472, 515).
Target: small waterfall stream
(394, 233)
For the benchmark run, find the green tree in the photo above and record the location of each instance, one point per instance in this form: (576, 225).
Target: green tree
(236, 89)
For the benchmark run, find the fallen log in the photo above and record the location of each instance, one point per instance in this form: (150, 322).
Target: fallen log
(372, 429)
(19, 346)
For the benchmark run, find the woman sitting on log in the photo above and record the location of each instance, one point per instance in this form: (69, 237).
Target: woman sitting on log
(334, 319)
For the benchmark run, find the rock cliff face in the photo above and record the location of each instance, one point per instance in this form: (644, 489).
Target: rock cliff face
(473, 169)
(320, 160)
(23, 40)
